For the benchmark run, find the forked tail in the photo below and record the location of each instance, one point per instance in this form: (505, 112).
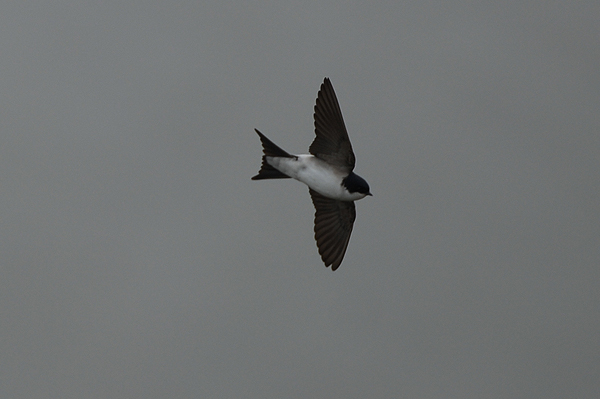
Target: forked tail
(270, 150)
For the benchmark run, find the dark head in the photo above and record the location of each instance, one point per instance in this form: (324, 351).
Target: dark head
(356, 184)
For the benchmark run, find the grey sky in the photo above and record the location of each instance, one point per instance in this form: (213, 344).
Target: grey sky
(138, 259)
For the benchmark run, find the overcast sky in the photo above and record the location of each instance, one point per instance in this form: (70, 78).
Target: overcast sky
(138, 259)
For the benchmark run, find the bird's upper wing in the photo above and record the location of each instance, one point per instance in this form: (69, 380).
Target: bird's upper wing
(332, 143)
(333, 226)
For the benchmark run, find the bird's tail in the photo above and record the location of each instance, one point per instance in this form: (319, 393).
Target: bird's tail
(270, 149)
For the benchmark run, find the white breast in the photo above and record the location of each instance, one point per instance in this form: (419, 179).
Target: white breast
(316, 174)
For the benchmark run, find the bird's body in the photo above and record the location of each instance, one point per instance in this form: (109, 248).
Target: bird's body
(327, 171)
(316, 174)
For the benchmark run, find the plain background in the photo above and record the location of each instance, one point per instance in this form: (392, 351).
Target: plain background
(138, 259)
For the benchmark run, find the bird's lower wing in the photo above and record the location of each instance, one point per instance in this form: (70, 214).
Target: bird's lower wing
(333, 226)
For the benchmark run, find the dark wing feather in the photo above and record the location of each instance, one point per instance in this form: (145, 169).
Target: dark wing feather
(333, 226)
(332, 143)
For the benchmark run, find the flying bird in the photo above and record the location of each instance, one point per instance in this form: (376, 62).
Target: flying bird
(327, 171)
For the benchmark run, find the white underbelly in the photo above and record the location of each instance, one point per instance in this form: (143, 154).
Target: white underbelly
(316, 174)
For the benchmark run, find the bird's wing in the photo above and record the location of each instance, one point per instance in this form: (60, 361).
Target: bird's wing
(333, 226)
(332, 143)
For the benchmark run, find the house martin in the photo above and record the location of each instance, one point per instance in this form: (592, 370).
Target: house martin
(327, 171)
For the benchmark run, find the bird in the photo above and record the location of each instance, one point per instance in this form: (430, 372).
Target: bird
(327, 170)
